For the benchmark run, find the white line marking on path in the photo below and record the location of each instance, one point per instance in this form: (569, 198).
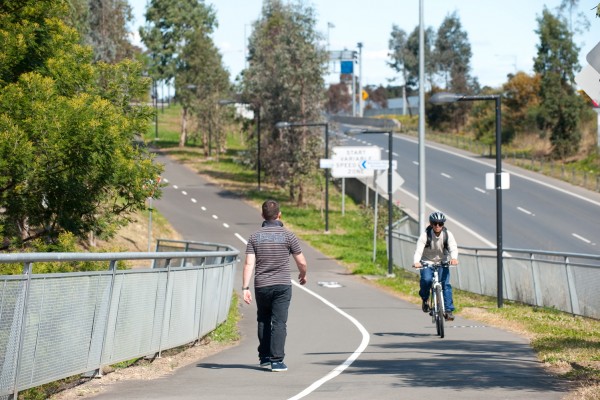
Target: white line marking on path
(340, 368)
(415, 162)
(183, 192)
(203, 208)
(480, 190)
(193, 200)
(215, 216)
(165, 180)
(524, 210)
(175, 187)
(225, 225)
(581, 238)
(445, 175)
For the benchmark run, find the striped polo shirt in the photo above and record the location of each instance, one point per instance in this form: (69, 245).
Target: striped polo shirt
(272, 246)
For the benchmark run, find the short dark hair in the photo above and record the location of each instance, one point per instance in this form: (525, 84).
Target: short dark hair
(270, 210)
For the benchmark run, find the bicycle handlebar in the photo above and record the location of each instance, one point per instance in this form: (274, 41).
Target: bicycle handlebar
(429, 264)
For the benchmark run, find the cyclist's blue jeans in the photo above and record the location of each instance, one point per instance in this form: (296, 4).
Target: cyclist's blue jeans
(426, 281)
(272, 303)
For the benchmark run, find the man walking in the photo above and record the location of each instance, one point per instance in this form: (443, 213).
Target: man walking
(268, 255)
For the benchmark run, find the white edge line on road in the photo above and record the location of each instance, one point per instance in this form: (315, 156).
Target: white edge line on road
(340, 368)
(480, 190)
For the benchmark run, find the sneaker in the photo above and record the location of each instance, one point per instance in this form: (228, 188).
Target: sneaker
(449, 316)
(278, 366)
(425, 306)
(264, 362)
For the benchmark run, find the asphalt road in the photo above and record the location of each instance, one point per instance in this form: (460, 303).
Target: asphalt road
(539, 213)
(347, 340)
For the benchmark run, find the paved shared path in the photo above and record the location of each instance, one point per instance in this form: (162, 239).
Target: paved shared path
(347, 339)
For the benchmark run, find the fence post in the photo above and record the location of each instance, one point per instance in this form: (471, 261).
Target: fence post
(162, 325)
(27, 270)
(571, 285)
(113, 269)
(535, 276)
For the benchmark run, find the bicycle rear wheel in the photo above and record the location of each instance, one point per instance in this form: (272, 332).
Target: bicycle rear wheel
(439, 310)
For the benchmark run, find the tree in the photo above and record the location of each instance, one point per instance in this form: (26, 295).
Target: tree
(452, 57)
(170, 26)
(404, 54)
(557, 63)
(521, 97)
(202, 82)
(284, 78)
(339, 99)
(68, 161)
(108, 34)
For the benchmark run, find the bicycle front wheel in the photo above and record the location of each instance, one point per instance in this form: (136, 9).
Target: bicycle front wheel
(439, 309)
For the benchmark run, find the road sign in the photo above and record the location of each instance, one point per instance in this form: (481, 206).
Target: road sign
(490, 180)
(347, 160)
(378, 164)
(326, 163)
(593, 57)
(588, 80)
(382, 181)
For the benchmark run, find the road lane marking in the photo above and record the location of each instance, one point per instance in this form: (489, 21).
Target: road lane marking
(203, 208)
(175, 187)
(193, 200)
(183, 192)
(340, 368)
(415, 162)
(215, 216)
(225, 225)
(524, 210)
(480, 190)
(581, 238)
(445, 175)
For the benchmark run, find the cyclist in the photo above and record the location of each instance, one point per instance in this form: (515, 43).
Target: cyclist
(436, 244)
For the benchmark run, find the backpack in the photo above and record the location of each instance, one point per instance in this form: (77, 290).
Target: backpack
(429, 231)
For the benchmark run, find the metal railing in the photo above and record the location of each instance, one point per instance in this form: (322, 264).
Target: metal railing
(53, 326)
(568, 282)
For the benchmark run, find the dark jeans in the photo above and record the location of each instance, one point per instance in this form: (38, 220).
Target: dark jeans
(426, 281)
(273, 303)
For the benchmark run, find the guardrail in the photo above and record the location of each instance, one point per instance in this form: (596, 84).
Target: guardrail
(566, 281)
(53, 326)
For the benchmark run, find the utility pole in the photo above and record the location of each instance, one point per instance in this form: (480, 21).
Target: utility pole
(360, 75)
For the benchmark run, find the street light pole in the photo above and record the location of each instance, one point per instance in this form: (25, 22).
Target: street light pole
(443, 97)
(280, 125)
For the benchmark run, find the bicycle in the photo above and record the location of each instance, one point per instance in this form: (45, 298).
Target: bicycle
(436, 300)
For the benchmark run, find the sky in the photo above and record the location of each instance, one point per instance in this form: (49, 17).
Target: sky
(501, 33)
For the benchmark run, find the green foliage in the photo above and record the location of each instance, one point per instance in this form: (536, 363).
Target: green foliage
(452, 58)
(520, 100)
(560, 107)
(170, 24)
(404, 54)
(67, 127)
(228, 331)
(284, 80)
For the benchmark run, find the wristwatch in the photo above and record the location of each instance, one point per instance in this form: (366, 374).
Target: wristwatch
(246, 288)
